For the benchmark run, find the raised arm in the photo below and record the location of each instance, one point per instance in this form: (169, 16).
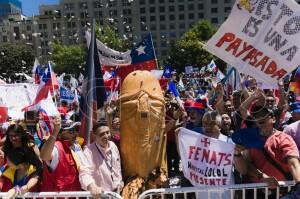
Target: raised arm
(47, 148)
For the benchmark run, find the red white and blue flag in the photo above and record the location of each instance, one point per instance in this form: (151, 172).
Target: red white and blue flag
(141, 57)
(37, 71)
(48, 83)
(93, 93)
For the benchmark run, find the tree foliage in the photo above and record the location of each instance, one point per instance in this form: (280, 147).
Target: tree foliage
(111, 39)
(68, 59)
(188, 50)
(16, 59)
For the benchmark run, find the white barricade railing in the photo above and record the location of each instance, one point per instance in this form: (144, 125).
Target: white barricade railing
(174, 193)
(70, 194)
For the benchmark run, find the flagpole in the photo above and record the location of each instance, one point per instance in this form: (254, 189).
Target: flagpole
(55, 101)
(154, 52)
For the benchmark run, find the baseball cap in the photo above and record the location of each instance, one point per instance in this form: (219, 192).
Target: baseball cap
(199, 105)
(249, 138)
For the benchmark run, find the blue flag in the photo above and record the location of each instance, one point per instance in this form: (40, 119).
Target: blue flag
(167, 71)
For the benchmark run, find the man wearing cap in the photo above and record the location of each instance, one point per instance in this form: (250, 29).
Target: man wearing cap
(277, 160)
(62, 158)
(102, 169)
(195, 110)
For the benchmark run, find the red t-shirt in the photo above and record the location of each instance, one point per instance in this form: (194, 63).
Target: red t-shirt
(279, 146)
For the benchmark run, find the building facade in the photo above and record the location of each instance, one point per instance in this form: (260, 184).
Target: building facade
(10, 7)
(67, 21)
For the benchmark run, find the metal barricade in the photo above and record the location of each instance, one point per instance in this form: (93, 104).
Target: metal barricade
(215, 192)
(65, 195)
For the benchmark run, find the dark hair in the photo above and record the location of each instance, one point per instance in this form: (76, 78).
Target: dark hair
(24, 156)
(99, 124)
(20, 131)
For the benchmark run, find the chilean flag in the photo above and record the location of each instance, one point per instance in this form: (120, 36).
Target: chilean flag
(37, 72)
(48, 83)
(141, 57)
(3, 113)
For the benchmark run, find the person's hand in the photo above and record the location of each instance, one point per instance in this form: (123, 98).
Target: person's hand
(12, 193)
(177, 131)
(258, 94)
(95, 190)
(238, 149)
(219, 89)
(244, 78)
(270, 180)
(57, 124)
(280, 83)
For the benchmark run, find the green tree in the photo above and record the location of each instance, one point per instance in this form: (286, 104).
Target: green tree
(111, 39)
(188, 50)
(68, 59)
(16, 59)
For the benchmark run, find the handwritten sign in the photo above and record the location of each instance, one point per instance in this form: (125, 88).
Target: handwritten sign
(262, 41)
(205, 160)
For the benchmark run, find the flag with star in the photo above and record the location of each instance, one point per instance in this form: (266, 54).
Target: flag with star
(141, 57)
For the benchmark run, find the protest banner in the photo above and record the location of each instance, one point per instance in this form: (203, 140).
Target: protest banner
(66, 95)
(17, 96)
(262, 41)
(205, 160)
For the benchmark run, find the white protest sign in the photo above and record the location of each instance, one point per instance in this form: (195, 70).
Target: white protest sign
(18, 96)
(205, 160)
(263, 42)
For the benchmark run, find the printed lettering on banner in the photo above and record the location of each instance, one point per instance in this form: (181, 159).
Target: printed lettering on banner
(206, 161)
(262, 41)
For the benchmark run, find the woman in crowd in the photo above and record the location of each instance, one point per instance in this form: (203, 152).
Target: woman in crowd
(16, 136)
(21, 173)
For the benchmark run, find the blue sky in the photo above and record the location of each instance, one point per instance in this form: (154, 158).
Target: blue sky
(31, 7)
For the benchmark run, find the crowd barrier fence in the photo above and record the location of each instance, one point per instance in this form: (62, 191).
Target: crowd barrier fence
(65, 195)
(170, 193)
(192, 192)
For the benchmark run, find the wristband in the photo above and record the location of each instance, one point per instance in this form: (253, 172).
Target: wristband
(17, 190)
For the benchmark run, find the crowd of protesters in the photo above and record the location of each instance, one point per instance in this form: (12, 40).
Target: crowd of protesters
(266, 123)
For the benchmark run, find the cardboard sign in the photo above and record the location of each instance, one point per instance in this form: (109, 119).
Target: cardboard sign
(261, 39)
